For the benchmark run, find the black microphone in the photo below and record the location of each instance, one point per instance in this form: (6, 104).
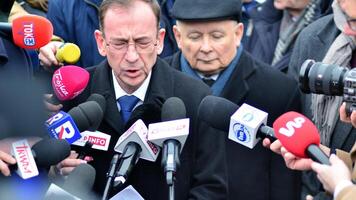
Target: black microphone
(135, 148)
(85, 116)
(48, 152)
(88, 115)
(110, 176)
(217, 112)
(128, 160)
(172, 109)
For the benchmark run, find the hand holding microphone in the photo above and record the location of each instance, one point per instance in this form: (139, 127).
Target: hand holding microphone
(5, 161)
(58, 53)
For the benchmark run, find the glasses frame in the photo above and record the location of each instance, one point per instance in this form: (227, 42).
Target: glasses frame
(149, 49)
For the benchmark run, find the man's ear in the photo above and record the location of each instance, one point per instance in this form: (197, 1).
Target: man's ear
(177, 35)
(160, 45)
(239, 32)
(100, 41)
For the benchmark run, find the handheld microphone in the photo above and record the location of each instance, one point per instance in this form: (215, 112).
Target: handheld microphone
(77, 184)
(300, 136)
(245, 124)
(69, 81)
(68, 52)
(85, 116)
(29, 31)
(43, 154)
(171, 135)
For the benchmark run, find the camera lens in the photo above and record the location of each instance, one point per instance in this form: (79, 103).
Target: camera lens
(319, 78)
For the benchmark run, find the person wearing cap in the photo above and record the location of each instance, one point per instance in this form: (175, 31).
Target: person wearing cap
(209, 37)
(132, 75)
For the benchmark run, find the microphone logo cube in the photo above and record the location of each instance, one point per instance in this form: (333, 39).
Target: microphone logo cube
(138, 133)
(99, 140)
(62, 126)
(244, 125)
(27, 167)
(174, 129)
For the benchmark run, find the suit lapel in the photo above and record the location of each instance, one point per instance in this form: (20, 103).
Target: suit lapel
(104, 85)
(157, 92)
(237, 86)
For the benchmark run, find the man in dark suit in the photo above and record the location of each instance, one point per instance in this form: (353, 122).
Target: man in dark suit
(330, 40)
(131, 44)
(209, 34)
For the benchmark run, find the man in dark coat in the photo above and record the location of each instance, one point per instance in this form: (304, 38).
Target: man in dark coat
(278, 22)
(209, 35)
(318, 42)
(131, 44)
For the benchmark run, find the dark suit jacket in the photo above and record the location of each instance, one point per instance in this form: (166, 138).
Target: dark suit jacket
(313, 43)
(202, 173)
(258, 174)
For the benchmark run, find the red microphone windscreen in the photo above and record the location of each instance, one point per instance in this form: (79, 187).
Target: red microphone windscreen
(296, 132)
(69, 81)
(31, 31)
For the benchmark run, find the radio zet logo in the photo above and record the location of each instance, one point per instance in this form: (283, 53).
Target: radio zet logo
(241, 133)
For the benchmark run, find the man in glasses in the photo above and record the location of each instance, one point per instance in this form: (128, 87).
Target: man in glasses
(331, 40)
(131, 40)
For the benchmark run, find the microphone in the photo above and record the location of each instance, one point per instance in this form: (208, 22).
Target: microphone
(69, 81)
(77, 184)
(44, 153)
(171, 135)
(245, 124)
(133, 144)
(85, 116)
(29, 31)
(68, 52)
(300, 136)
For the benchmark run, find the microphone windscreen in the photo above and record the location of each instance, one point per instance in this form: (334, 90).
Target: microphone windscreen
(50, 151)
(31, 31)
(80, 180)
(100, 99)
(69, 81)
(173, 109)
(69, 53)
(296, 132)
(87, 115)
(217, 111)
(148, 113)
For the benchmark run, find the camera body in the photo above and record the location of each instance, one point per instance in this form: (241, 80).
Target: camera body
(333, 80)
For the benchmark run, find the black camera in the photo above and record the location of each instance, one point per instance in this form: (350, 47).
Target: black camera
(320, 78)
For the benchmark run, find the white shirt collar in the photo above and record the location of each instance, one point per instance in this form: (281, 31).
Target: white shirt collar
(139, 93)
(214, 76)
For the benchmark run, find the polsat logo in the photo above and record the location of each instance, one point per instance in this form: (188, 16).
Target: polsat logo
(241, 132)
(29, 38)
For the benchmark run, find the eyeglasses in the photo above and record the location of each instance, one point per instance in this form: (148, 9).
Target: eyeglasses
(123, 46)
